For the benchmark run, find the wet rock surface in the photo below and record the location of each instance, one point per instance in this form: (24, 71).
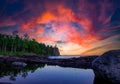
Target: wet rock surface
(19, 64)
(80, 62)
(107, 66)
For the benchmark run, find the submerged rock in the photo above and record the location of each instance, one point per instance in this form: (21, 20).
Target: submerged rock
(107, 66)
(19, 64)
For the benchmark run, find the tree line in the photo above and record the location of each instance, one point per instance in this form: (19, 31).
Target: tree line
(14, 44)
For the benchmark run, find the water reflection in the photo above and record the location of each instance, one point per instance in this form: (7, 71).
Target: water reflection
(13, 72)
(44, 74)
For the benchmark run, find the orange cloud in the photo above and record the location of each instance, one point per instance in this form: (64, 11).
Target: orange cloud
(61, 25)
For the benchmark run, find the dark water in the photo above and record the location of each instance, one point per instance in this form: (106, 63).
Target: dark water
(45, 74)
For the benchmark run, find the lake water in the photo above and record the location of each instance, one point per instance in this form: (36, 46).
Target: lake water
(46, 74)
(63, 57)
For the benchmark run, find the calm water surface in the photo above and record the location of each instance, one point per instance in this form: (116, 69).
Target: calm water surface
(63, 57)
(45, 74)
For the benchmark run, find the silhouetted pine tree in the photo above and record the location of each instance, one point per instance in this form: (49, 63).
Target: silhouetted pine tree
(13, 43)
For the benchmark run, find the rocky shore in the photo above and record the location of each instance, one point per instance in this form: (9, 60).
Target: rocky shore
(80, 62)
(106, 67)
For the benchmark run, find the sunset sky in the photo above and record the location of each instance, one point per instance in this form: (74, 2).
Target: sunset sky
(77, 27)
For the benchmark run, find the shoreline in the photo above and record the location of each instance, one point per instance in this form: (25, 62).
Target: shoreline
(80, 62)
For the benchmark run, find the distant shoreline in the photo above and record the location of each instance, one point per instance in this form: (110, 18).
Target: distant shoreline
(80, 55)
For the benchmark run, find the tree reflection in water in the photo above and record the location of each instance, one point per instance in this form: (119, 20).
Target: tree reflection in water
(9, 70)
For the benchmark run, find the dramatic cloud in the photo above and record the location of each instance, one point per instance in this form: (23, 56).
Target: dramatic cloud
(75, 24)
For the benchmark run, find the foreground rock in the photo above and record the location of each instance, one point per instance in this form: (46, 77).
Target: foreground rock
(81, 62)
(19, 64)
(107, 66)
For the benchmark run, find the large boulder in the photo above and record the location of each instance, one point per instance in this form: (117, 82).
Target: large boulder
(107, 66)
